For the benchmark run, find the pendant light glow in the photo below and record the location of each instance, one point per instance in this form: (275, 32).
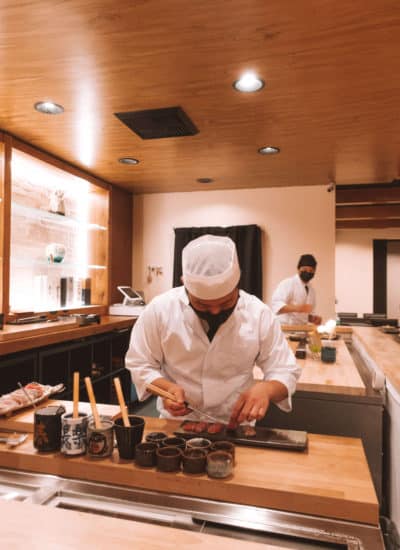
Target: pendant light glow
(249, 82)
(49, 108)
(269, 150)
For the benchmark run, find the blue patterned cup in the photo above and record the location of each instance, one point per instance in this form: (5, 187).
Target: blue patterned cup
(74, 434)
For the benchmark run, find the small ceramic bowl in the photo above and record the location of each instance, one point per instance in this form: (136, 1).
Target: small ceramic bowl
(145, 454)
(219, 464)
(194, 461)
(174, 442)
(224, 446)
(198, 443)
(169, 459)
(155, 437)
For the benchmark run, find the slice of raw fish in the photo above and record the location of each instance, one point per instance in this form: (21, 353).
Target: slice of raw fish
(201, 427)
(215, 428)
(249, 431)
(189, 426)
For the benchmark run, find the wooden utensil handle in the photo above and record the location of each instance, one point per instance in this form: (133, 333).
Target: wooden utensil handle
(121, 401)
(162, 393)
(75, 398)
(89, 389)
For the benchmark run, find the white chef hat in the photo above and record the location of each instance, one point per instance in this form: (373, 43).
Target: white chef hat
(210, 267)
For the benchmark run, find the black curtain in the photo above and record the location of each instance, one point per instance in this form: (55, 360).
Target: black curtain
(248, 243)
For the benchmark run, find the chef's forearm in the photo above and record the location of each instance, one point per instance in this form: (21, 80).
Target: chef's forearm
(276, 391)
(164, 384)
(291, 308)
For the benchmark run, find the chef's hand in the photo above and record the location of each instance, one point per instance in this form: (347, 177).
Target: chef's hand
(316, 319)
(304, 308)
(254, 402)
(176, 408)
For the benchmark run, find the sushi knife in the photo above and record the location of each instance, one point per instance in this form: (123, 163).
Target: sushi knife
(162, 393)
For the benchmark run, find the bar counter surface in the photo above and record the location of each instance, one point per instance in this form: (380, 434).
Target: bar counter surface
(51, 528)
(383, 350)
(331, 479)
(14, 338)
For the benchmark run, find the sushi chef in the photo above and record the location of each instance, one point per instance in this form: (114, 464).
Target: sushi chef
(201, 341)
(294, 298)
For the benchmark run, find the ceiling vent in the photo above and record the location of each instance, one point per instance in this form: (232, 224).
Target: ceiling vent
(159, 123)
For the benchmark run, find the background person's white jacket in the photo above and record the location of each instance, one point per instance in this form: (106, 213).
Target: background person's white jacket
(168, 340)
(292, 291)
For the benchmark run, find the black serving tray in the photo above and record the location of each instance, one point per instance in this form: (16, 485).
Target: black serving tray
(291, 440)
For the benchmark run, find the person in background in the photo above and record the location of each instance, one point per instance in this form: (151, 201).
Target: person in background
(293, 300)
(201, 341)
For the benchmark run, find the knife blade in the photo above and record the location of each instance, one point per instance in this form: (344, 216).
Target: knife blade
(163, 393)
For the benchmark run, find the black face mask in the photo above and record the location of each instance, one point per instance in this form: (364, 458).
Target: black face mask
(305, 276)
(214, 321)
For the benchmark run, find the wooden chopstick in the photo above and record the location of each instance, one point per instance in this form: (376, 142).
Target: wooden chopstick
(162, 393)
(92, 400)
(75, 413)
(121, 401)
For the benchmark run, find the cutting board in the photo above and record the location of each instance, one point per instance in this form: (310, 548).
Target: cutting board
(291, 440)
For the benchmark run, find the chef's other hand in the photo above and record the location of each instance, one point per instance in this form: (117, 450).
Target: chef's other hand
(316, 319)
(305, 308)
(176, 408)
(254, 402)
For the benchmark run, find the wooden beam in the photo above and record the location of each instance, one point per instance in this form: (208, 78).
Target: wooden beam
(361, 224)
(379, 211)
(374, 193)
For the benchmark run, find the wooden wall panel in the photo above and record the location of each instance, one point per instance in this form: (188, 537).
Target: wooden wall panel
(120, 242)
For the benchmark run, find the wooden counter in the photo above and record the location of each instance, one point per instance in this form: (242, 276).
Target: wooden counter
(383, 350)
(23, 421)
(52, 528)
(14, 338)
(341, 377)
(331, 479)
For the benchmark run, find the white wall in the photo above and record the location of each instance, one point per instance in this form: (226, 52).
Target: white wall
(354, 267)
(294, 221)
(393, 279)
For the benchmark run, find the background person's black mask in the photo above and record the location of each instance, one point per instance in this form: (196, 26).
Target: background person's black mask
(306, 276)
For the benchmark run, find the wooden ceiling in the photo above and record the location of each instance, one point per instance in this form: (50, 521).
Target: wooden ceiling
(331, 100)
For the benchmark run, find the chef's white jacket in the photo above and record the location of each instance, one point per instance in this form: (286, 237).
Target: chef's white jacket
(292, 291)
(169, 340)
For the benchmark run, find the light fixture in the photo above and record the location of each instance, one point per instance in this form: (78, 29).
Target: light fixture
(49, 108)
(249, 82)
(205, 180)
(269, 150)
(128, 160)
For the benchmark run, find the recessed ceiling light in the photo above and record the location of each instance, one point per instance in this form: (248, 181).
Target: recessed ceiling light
(269, 150)
(248, 82)
(128, 160)
(205, 180)
(49, 108)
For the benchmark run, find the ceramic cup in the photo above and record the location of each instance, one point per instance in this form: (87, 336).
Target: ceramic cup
(169, 459)
(194, 461)
(100, 441)
(224, 446)
(47, 428)
(219, 464)
(156, 437)
(174, 442)
(145, 454)
(55, 253)
(198, 443)
(73, 434)
(128, 437)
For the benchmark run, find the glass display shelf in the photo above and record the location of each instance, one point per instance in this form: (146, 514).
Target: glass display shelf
(45, 215)
(17, 262)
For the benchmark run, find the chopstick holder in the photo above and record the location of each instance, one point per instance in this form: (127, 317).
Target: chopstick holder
(121, 401)
(93, 405)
